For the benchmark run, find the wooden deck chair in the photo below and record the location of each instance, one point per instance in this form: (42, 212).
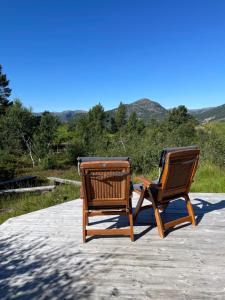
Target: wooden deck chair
(178, 167)
(106, 191)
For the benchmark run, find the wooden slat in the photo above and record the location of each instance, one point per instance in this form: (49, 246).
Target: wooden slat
(17, 180)
(108, 213)
(62, 180)
(28, 190)
(176, 222)
(91, 232)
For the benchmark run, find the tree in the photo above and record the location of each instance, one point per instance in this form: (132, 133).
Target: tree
(178, 116)
(134, 125)
(120, 116)
(46, 134)
(5, 93)
(17, 127)
(96, 118)
(112, 127)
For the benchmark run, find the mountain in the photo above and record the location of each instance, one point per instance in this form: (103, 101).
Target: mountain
(145, 109)
(67, 115)
(209, 114)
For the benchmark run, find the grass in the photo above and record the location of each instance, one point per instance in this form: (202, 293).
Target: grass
(15, 205)
(68, 173)
(209, 179)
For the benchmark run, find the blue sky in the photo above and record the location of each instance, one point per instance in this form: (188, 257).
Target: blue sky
(73, 54)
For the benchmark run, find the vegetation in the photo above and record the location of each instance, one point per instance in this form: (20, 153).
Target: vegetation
(5, 93)
(42, 142)
(11, 205)
(42, 145)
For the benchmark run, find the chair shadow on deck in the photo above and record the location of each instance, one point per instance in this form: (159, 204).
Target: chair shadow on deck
(204, 207)
(175, 209)
(122, 221)
(178, 209)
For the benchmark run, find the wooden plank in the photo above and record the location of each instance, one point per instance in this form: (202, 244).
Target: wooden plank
(103, 213)
(91, 232)
(28, 190)
(65, 181)
(17, 180)
(45, 248)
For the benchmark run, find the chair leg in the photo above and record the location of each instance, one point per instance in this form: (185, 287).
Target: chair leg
(139, 204)
(158, 220)
(131, 225)
(85, 217)
(190, 210)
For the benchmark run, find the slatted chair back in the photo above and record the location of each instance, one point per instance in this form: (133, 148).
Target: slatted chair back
(105, 183)
(106, 191)
(178, 172)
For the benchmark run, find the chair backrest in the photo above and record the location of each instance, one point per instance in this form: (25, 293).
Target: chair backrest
(178, 170)
(105, 181)
(169, 150)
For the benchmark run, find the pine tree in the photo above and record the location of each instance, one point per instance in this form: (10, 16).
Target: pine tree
(5, 92)
(120, 116)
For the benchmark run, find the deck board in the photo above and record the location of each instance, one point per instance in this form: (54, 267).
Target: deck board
(42, 256)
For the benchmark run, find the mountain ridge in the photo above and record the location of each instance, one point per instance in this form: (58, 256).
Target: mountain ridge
(144, 108)
(147, 109)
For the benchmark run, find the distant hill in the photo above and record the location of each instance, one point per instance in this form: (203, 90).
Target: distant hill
(145, 109)
(209, 114)
(67, 115)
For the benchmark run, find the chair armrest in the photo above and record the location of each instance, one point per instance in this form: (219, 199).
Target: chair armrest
(147, 183)
(144, 180)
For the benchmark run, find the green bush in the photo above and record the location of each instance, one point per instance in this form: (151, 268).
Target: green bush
(48, 162)
(73, 151)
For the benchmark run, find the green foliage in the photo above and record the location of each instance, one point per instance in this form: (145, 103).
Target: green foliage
(7, 165)
(178, 116)
(16, 129)
(55, 145)
(5, 93)
(96, 118)
(113, 127)
(91, 130)
(46, 134)
(73, 151)
(209, 178)
(120, 116)
(48, 162)
(134, 125)
(212, 143)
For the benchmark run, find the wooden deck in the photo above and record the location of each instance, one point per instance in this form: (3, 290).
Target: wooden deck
(42, 256)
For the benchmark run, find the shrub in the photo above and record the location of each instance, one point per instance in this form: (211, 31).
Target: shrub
(48, 162)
